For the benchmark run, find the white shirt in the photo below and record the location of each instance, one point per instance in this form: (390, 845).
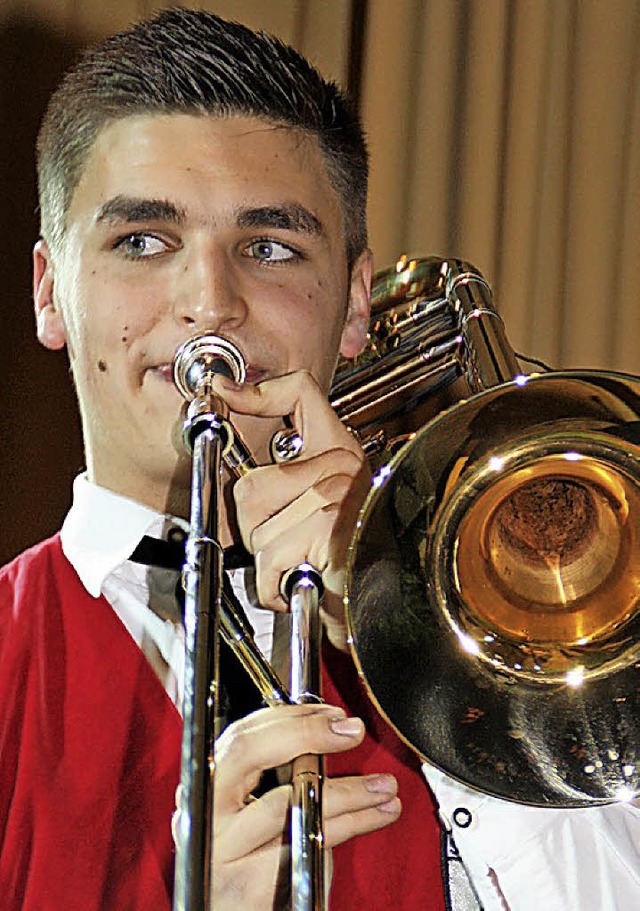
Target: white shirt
(541, 859)
(99, 534)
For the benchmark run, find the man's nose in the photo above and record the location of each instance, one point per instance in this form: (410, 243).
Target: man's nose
(210, 294)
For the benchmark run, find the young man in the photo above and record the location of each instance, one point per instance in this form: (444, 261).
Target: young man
(193, 175)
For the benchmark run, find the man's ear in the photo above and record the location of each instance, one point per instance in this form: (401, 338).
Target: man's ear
(356, 327)
(49, 324)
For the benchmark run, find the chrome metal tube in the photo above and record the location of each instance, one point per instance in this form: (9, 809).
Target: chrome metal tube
(239, 638)
(207, 434)
(211, 438)
(203, 587)
(490, 359)
(433, 324)
(303, 590)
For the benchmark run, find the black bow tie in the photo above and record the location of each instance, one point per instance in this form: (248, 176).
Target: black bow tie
(238, 695)
(170, 554)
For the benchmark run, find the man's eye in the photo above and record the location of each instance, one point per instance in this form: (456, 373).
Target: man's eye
(140, 246)
(270, 251)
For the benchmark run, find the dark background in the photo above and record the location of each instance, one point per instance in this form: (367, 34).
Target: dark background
(41, 449)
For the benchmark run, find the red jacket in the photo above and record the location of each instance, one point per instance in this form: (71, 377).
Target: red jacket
(89, 762)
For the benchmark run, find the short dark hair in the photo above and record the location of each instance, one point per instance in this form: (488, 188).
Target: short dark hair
(192, 61)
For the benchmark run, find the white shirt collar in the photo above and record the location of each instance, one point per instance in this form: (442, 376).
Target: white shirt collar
(102, 529)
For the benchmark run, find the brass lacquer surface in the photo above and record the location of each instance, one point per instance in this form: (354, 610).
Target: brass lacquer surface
(434, 337)
(506, 651)
(564, 568)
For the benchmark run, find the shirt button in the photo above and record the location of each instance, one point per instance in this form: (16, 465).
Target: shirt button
(176, 535)
(462, 817)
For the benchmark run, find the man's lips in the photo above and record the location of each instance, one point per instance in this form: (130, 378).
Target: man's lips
(254, 375)
(164, 372)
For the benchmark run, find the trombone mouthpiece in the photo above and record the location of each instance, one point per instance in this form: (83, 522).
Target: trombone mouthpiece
(203, 356)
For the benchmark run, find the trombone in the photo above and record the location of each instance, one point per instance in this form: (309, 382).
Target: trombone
(494, 575)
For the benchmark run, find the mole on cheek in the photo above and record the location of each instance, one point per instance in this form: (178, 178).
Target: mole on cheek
(102, 366)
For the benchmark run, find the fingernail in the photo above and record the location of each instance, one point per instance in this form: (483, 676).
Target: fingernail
(392, 807)
(380, 784)
(348, 727)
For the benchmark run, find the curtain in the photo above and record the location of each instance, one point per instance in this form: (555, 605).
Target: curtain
(507, 132)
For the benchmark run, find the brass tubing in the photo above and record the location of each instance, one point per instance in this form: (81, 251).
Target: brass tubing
(433, 321)
(239, 638)
(302, 587)
(491, 359)
(412, 370)
(203, 581)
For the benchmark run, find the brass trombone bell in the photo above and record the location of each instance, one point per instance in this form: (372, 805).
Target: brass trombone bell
(549, 552)
(494, 577)
(494, 584)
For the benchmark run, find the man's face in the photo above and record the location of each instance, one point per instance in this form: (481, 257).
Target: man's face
(183, 223)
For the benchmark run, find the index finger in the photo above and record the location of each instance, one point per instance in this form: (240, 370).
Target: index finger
(298, 395)
(273, 737)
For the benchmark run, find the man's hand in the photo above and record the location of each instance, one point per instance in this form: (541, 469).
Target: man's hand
(250, 851)
(304, 510)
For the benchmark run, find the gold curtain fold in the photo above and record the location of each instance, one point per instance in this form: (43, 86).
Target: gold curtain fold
(507, 132)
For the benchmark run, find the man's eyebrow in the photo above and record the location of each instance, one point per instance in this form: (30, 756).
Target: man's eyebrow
(138, 209)
(287, 217)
